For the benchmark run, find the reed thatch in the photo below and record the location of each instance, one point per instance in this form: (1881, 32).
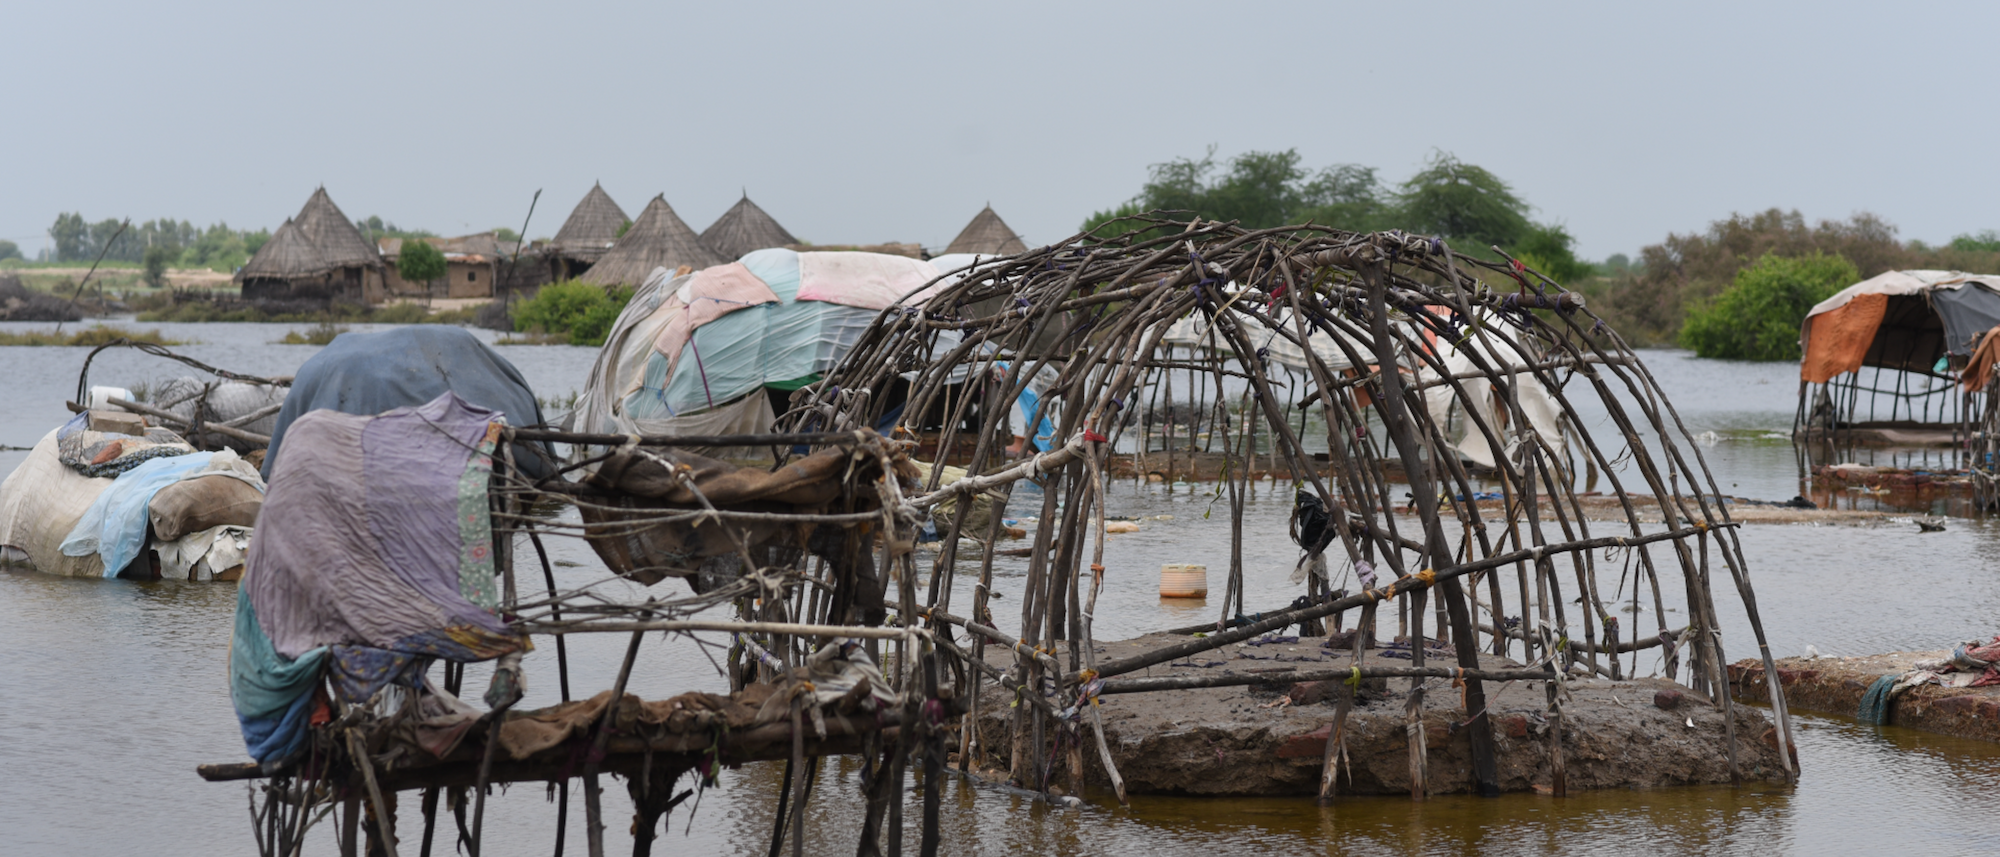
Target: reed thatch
(743, 228)
(987, 234)
(340, 245)
(287, 255)
(591, 228)
(658, 239)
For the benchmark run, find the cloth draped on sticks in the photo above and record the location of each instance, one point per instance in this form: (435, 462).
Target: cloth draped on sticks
(374, 557)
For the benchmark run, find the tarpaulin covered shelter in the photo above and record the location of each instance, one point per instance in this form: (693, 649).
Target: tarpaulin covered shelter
(1915, 329)
(688, 352)
(368, 373)
(1899, 320)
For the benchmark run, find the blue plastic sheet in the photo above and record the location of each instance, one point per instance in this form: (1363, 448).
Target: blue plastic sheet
(369, 373)
(114, 527)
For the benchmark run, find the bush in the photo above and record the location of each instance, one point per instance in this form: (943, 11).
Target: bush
(581, 311)
(1758, 316)
(319, 334)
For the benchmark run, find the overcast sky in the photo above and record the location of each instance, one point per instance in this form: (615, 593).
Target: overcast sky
(882, 122)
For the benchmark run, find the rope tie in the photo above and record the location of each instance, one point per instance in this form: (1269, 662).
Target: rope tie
(1353, 679)
(1428, 577)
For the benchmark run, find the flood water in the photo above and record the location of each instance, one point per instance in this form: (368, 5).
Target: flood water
(111, 691)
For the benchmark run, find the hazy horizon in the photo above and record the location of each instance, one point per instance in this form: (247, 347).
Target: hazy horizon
(898, 122)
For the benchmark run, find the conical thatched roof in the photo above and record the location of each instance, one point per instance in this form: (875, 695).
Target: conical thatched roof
(288, 254)
(591, 228)
(340, 245)
(658, 239)
(987, 234)
(743, 228)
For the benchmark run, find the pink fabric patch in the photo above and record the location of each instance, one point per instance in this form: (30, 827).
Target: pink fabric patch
(864, 280)
(710, 294)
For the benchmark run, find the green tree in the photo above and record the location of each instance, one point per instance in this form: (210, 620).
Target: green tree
(9, 250)
(1987, 241)
(156, 259)
(71, 233)
(1259, 190)
(420, 262)
(1462, 202)
(1758, 316)
(1548, 248)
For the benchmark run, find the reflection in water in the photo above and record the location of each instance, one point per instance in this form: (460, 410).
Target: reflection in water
(113, 691)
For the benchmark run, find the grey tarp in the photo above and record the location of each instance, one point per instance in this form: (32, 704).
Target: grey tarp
(369, 373)
(1966, 313)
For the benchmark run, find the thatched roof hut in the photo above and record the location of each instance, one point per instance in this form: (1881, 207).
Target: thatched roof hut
(743, 228)
(658, 239)
(987, 235)
(287, 255)
(316, 256)
(339, 244)
(591, 228)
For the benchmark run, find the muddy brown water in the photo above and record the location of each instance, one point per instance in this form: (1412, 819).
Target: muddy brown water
(111, 692)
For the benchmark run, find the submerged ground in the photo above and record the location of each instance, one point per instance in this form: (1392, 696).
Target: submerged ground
(113, 691)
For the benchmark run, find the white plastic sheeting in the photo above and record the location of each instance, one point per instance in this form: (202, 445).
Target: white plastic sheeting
(1541, 409)
(1192, 331)
(40, 502)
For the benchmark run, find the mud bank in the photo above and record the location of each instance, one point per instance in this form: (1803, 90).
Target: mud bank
(1252, 740)
(1836, 685)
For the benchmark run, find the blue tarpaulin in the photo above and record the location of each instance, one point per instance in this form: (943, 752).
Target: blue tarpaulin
(369, 373)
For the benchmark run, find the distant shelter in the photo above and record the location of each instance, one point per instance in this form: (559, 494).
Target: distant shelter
(593, 226)
(744, 228)
(315, 256)
(987, 235)
(658, 239)
(472, 267)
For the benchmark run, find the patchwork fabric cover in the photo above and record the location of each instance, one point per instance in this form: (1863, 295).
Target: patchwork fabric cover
(374, 556)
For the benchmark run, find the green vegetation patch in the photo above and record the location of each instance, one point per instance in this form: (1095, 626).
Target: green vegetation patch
(1758, 316)
(580, 313)
(319, 334)
(92, 336)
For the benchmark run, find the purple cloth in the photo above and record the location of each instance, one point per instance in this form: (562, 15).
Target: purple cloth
(361, 540)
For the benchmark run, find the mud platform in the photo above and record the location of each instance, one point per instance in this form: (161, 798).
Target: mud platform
(1252, 740)
(1836, 685)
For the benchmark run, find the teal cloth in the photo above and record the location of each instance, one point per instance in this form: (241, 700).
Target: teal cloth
(1879, 702)
(261, 681)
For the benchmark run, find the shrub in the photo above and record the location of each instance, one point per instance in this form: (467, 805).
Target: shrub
(319, 334)
(581, 311)
(1758, 316)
